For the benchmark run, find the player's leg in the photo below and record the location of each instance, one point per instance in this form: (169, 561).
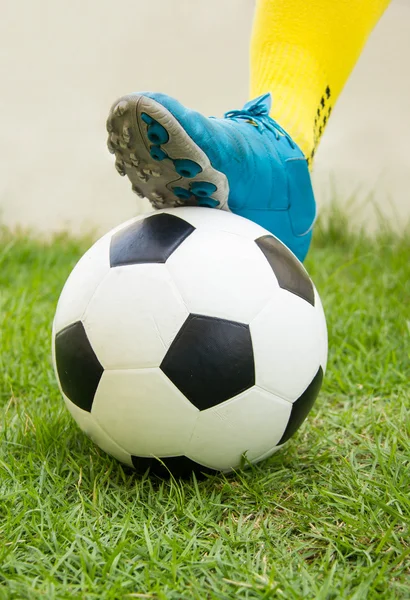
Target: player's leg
(246, 162)
(303, 53)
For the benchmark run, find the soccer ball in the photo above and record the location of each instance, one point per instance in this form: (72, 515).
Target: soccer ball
(187, 340)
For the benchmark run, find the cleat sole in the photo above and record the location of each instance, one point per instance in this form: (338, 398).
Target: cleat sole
(142, 131)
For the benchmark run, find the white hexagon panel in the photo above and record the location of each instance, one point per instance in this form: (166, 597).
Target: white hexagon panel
(223, 275)
(143, 412)
(86, 276)
(134, 316)
(249, 424)
(288, 342)
(94, 431)
(82, 283)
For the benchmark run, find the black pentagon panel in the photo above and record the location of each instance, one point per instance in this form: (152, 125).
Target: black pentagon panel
(151, 240)
(289, 272)
(79, 370)
(210, 360)
(302, 406)
(178, 466)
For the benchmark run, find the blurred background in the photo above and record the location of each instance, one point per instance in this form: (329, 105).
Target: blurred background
(62, 64)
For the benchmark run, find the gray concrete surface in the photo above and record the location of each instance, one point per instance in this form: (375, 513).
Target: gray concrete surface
(63, 63)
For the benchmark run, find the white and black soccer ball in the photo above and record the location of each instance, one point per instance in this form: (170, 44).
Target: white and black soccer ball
(192, 336)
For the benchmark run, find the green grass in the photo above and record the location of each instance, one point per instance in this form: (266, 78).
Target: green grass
(327, 517)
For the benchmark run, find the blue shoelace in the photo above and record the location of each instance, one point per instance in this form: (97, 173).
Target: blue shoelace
(257, 112)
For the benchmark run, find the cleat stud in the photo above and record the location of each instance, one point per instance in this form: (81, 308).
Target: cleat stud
(208, 202)
(142, 176)
(147, 119)
(134, 159)
(126, 133)
(151, 170)
(157, 134)
(157, 153)
(203, 189)
(182, 193)
(137, 191)
(157, 204)
(187, 168)
(119, 165)
(121, 108)
(157, 197)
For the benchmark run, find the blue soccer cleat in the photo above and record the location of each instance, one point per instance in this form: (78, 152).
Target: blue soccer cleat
(245, 162)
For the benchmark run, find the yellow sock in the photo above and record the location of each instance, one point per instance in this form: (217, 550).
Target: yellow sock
(303, 52)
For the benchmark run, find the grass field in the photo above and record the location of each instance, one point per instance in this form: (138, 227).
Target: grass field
(327, 517)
